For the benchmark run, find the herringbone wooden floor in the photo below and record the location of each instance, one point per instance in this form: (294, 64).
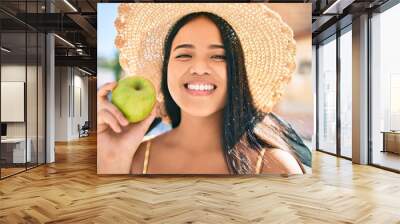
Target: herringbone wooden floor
(69, 191)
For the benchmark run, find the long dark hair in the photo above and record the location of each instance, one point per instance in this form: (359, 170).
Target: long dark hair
(240, 116)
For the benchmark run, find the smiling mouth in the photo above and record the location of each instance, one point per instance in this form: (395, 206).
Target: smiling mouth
(200, 88)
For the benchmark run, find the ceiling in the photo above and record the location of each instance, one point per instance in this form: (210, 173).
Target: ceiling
(72, 20)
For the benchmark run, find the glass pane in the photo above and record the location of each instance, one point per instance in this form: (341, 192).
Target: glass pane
(31, 86)
(386, 89)
(23, 89)
(13, 85)
(346, 94)
(327, 96)
(31, 98)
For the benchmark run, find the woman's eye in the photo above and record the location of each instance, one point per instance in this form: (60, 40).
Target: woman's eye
(183, 56)
(219, 57)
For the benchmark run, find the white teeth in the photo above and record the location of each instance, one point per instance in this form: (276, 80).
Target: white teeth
(201, 87)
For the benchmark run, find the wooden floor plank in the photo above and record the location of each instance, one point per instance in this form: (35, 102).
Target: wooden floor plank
(70, 191)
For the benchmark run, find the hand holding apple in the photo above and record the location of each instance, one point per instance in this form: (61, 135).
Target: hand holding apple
(117, 139)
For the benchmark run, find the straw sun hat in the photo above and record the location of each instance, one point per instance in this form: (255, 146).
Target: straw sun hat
(267, 42)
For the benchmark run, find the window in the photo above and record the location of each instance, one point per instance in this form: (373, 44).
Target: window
(346, 75)
(22, 74)
(327, 96)
(385, 89)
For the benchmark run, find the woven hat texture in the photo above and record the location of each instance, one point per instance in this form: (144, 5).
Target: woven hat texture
(268, 44)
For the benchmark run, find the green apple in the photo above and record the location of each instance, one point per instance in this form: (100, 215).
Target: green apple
(135, 97)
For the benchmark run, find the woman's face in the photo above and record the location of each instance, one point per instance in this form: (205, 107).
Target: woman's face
(197, 71)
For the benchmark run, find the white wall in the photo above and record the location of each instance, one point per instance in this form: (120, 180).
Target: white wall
(80, 110)
(71, 94)
(61, 103)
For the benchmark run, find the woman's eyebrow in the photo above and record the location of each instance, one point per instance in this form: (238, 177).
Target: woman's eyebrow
(191, 46)
(184, 46)
(212, 46)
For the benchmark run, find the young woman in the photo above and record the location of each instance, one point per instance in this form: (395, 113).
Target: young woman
(217, 127)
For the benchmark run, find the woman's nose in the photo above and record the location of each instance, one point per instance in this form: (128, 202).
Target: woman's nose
(200, 67)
